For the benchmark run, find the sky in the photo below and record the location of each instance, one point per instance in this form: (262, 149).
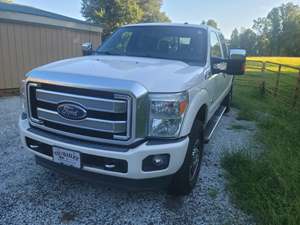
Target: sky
(229, 14)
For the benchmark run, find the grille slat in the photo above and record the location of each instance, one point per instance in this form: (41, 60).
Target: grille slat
(115, 127)
(90, 103)
(108, 114)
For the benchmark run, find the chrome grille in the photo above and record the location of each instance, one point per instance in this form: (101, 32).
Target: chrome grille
(108, 114)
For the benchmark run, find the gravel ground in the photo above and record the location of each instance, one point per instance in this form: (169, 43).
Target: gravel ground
(30, 194)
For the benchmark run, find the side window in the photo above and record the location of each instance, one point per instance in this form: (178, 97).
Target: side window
(215, 46)
(224, 47)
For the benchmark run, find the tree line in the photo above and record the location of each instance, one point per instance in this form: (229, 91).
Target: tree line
(112, 14)
(277, 34)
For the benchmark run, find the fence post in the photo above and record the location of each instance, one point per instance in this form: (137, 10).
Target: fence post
(296, 96)
(263, 68)
(277, 81)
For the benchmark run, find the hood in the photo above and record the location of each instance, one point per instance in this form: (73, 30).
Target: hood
(156, 75)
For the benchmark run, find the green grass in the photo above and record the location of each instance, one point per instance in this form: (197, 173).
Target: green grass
(285, 89)
(267, 186)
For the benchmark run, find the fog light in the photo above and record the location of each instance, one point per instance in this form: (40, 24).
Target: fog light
(156, 162)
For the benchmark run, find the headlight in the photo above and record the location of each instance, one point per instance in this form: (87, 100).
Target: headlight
(23, 96)
(166, 114)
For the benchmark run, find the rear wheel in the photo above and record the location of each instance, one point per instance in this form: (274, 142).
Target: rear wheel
(186, 178)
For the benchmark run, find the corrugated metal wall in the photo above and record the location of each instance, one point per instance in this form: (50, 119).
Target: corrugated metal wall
(26, 46)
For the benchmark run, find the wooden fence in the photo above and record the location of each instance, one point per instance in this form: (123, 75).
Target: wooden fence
(278, 80)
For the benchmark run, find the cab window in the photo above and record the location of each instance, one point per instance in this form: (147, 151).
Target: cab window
(215, 46)
(224, 46)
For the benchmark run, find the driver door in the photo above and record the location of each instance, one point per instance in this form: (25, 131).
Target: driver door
(216, 52)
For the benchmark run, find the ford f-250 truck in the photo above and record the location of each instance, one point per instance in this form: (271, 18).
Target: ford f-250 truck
(136, 111)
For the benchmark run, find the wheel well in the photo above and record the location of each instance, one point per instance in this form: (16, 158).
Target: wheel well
(202, 113)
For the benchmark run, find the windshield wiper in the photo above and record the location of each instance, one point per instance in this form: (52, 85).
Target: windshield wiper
(185, 60)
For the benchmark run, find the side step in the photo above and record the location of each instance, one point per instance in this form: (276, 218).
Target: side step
(213, 123)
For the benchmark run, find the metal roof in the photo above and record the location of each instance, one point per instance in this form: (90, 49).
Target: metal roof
(10, 7)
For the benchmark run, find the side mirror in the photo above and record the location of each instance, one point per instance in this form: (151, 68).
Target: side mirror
(218, 65)
(87, 49)
(236, 65)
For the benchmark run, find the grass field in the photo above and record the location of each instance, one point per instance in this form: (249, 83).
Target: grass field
(291, 61)
(267, 185)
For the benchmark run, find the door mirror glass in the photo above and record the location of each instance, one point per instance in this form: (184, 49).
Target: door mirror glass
(236, 65)
(87, 49)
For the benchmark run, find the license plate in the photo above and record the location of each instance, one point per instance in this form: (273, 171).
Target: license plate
(66, 157)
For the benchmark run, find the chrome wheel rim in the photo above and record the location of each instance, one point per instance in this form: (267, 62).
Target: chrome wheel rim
(195, 162)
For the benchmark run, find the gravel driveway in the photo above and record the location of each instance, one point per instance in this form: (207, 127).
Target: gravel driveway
(30, 194)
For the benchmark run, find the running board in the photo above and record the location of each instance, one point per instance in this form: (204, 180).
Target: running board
(213, 123)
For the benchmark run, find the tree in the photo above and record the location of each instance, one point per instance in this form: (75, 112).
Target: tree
(235, 39)
(262, 28)
(248, 41)
(275, 30)
(112, 14)
(276, 34)
(211, 23)
(152, 11)
(291, 33)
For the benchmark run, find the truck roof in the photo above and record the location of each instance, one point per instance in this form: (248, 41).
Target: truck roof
(203, 26)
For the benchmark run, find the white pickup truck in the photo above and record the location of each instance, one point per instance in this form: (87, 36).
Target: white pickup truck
(135, 112)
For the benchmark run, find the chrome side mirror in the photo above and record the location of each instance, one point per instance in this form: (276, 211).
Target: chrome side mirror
(87, 49)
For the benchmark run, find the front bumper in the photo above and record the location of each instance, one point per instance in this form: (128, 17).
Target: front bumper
(134, 156)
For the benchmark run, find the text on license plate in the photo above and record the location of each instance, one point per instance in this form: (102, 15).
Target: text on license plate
(66, 157)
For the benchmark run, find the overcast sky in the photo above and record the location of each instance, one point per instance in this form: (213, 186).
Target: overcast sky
(228, 13)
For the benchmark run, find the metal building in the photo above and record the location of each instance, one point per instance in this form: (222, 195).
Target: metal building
(31, 37)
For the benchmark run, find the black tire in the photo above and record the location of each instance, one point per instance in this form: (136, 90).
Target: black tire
(185, 179)
(227, 101)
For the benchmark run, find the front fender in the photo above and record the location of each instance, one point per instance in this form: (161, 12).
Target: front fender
(197, 100)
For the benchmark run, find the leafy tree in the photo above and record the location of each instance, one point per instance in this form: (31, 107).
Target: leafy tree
(276, 34)
(152, 13)
(112, 14)
(261, 26)
(211, 23)
(291, 33)
(275, 30)
(235, 39)
(248, 41)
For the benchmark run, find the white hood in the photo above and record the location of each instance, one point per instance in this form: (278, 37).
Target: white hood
(156, 75)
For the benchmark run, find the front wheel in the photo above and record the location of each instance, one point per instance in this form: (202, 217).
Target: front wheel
(186, 178)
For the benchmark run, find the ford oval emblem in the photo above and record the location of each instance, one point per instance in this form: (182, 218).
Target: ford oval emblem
(71, 111)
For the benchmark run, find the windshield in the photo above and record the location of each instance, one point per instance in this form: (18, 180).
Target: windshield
(167, 42)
